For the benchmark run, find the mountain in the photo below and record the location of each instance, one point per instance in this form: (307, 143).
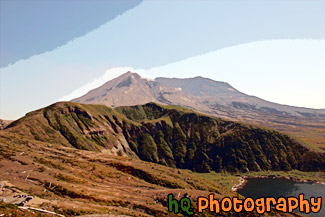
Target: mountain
(214, 98)
(77, 159)
(128, 89)
(171, 136)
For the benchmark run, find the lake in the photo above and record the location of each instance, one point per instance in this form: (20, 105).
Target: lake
(268, 187)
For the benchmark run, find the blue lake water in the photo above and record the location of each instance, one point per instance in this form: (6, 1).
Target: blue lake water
(268, 187)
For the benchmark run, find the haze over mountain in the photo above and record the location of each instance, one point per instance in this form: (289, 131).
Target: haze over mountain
(210, 97)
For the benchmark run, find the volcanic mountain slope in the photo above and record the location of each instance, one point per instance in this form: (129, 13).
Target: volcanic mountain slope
(128, 89)
(213, 98)
(171, 136)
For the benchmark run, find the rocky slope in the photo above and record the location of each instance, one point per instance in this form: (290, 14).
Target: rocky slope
(214, 98)
(167, 135)
(4, 123)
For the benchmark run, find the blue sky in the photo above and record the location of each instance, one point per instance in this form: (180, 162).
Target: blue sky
(270, 49)
(33, 27)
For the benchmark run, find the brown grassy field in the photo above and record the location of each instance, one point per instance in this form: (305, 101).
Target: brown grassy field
(75, 182)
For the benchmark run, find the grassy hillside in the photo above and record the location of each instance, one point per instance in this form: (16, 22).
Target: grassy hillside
(80, 159)
(77, 182)
(168, 135)
(185, 139)
(74, 182)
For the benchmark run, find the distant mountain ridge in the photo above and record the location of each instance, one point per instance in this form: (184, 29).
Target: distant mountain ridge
(210, 97)
(198, 92)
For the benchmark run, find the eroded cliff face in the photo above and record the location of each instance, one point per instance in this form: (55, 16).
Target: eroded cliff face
(168, 135)
(185, 139)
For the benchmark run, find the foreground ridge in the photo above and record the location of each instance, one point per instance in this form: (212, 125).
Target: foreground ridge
(168, 135)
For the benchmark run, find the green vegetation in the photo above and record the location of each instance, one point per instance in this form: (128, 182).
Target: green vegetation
(7, 209)
(224, 179)
(228, 180)
(203, 144)
(292, 174)
(147, 148)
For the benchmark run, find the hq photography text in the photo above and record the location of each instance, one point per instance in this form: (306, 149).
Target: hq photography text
(260, 205)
